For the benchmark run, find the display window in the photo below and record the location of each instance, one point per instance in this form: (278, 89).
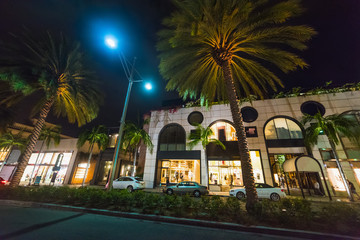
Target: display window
(3, 154)
(175, 171)
(229, 172)
(356, 168)
(44, 167)
(335, 179)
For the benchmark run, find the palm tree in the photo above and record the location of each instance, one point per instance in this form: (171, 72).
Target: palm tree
(221, 50)
(54, 69)
(332, 126)
(133, 137)
(204, 136)
(8, 141)
(47, 135)
(98, 135)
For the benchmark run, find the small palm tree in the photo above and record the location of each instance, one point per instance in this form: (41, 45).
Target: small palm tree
(332, 126)
(221, 50)
(47, 135)
(54, 69)
(98, 135)
(8, 141)
(205, 137)
(133, 136)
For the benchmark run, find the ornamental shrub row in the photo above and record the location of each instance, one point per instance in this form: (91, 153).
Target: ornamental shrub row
(341, 218)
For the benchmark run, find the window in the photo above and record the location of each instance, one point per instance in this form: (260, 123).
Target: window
(172, 138)
(282, 128)
(223, 131)
(230, 173)
(312, 108)
(249, 114)
(352, 149)
(195, 118)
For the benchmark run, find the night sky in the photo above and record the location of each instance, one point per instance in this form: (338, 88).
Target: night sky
(333, 55)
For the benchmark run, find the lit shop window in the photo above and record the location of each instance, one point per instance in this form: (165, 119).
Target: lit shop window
(335, 179)
(174, 171)
(224, 131)
(282, 128)
(230, 173)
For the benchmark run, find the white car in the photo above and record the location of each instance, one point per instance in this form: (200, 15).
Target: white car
(263, 191)
(129, 183)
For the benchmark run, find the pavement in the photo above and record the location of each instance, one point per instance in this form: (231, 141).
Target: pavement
(8, 232)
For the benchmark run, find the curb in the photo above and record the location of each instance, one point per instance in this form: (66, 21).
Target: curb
(185, 221)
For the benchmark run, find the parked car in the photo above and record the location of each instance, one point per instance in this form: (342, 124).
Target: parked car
(3, 181)
(187, 187)
(129, 183)
(263, 191)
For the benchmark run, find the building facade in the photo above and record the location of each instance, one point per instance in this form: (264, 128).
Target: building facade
(274, 134)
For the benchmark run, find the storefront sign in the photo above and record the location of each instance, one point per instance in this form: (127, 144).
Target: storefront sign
(251, 132)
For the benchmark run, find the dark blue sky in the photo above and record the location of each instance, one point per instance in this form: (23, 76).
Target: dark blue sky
(333, 55)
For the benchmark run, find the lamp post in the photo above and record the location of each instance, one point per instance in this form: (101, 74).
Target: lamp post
(112, 43)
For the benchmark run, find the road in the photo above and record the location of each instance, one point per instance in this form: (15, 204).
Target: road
(38, 223)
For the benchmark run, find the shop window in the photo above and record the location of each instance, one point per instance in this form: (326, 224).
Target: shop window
(223, 131)
(230, 173)
(172, 138)
(282, 128)
(327, 154)
(175, 171)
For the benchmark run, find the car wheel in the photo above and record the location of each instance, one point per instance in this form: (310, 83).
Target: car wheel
(197, 193)
(275, 197)
(130, 189)
(240, 195)
(169, 191)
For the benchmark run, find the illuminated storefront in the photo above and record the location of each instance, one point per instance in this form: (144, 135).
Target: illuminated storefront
(174, 171)
(229, 172)
(42, 165)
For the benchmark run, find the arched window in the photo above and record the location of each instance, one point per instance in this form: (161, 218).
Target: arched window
(352, 149)
(223, 131)
(282, 128)
(172, 138)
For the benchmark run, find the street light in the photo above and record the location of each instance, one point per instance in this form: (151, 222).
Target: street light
(111, 42)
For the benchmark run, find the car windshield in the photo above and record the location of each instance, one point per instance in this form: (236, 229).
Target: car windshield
(138, 179)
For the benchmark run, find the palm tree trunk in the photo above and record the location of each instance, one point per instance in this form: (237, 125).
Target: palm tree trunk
(88, 164)
(32, 142)
(246, 168)
(134, 164)
(333, 147)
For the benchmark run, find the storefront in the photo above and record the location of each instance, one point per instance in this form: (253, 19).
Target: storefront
(41, 168)
(229, 172)
(174, 171)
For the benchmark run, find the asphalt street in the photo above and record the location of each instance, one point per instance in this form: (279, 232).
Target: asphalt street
(38, 223)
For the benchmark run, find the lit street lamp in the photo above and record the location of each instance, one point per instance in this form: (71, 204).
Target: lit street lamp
(111, 42)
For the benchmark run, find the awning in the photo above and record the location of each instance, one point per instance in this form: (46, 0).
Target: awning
(303, 164)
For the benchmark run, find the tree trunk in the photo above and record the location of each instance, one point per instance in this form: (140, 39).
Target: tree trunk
(246, 167)
(333, 147)
(32, 142)
(88, 163)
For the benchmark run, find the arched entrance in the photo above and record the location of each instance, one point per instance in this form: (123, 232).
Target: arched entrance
(305, 170)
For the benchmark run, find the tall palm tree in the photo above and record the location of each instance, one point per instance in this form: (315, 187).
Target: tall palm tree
(8, 141)
(133, 137)
(47, 135)
(54, 69)
(222, 50)
(332, 126)
(204, 136)
(98, 135)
